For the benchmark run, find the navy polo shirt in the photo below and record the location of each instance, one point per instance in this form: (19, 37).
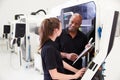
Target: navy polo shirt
(51, 59)
(72, 45)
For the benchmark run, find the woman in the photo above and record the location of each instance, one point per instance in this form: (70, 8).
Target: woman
(53, 65)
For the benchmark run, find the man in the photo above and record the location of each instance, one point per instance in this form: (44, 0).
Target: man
(72, 42)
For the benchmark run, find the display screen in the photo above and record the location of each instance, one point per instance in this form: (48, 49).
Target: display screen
(6, 29)
(20, 30)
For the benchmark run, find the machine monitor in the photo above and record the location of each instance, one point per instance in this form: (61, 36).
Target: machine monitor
(20, 30)
(6, 29)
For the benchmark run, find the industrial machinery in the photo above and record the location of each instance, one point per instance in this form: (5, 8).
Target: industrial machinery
(100, 22)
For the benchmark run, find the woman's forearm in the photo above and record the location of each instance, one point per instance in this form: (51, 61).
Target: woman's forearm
(69, 67)
(56, 75)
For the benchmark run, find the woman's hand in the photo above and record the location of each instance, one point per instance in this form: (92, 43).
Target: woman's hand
(80, 73)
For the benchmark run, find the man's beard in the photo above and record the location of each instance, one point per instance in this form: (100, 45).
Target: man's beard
(71, 29)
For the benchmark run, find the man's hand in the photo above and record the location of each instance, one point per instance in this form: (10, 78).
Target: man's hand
(71, 56)
(87, 45)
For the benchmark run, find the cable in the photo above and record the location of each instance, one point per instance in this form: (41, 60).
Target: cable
(34, 13)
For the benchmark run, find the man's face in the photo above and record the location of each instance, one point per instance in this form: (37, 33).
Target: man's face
(74, 23)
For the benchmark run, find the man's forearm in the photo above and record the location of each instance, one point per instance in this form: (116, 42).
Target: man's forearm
(63, 54)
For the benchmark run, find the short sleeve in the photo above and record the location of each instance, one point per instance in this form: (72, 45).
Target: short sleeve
(58, 42)
(50, 58)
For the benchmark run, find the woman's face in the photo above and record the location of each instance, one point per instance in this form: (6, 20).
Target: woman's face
(60, 30)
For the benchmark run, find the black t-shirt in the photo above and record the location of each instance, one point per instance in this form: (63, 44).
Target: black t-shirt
(72, 45)
(51, 59)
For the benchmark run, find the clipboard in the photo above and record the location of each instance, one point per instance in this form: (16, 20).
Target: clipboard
(84, 52)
